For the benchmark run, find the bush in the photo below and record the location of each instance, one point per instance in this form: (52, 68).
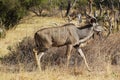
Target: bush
(11, 12)
(21, 54)
(2, 33)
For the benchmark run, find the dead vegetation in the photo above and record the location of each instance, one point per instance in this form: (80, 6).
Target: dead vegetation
(19, 63)
(99, 53)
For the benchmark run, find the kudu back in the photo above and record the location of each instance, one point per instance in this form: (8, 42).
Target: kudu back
(68, 35)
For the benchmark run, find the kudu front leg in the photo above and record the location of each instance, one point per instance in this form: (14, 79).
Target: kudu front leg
(83, 56)
(38, 58)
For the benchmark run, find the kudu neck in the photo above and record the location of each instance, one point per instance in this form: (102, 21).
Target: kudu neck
(85, 31)
(87, 26)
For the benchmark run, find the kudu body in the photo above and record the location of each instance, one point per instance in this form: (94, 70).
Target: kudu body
(68, 35)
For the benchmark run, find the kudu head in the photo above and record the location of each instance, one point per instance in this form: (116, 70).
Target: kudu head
(93, 21)
(96, 26)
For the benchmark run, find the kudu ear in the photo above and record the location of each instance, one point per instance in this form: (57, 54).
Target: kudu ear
(93, 20)
(95, 25)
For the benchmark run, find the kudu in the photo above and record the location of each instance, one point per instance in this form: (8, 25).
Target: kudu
(68, 35)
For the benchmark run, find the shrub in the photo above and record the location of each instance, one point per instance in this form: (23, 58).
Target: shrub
(2, 33)
(21, 53)
(11, 12)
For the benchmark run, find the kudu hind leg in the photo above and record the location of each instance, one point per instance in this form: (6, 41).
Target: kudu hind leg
(38, 58)
(83, 56)
(68, 53)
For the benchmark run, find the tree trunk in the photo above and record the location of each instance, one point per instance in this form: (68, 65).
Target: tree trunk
(101, 9)
(119, 6)
(100, 6)
(61, 8)
(74, 3)
(37, 10)
(68, 8)
(90, 6)
(40, 10)
(112, 5)
(85, 11)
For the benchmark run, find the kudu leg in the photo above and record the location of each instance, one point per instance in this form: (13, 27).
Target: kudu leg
(38, 58)
(68, 52)
(83, 56)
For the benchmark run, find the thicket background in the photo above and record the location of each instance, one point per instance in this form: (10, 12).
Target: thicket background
(11, 11)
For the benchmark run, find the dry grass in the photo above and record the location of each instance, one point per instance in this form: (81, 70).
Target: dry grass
(27, 27)
(58, 74)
